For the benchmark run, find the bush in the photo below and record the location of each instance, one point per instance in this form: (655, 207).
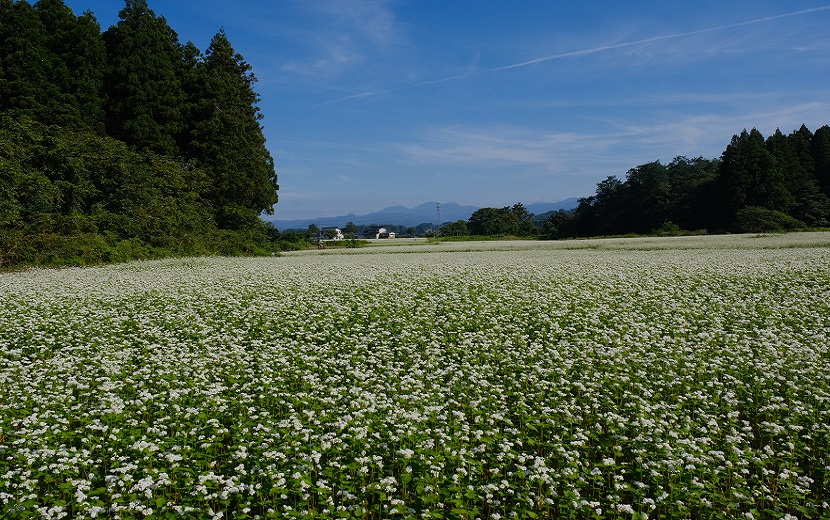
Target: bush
(668, 229)
(46, 249)
(755, 219)
(349, 243)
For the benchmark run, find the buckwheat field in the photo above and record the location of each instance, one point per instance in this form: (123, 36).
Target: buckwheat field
(638, 378)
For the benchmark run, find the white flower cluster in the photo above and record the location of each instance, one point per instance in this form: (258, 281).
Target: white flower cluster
(619, 379)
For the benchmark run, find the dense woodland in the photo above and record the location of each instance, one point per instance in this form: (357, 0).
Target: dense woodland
(758, 184)
(125, 143)
(778, 183)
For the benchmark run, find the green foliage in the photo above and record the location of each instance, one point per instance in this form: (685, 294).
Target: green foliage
(76, 59)
(77, 198)
(668, 229)
(560, 224)
(794, 156)
(820, 150)
(50, 64)
(493, 221)
(225, 136)
(50, 249)
(507, 221)
(145, 98)
(458, 228)
(692, 193)
(600, 214)
(350, 230)
(648, 185)
(754, 219)
(313, 232)
(752, 175)
(348, 243)
(786, 175)
(24, 85)
(168, 159)
(473, 238)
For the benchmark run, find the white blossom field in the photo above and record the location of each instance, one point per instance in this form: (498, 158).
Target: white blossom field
(628, 378)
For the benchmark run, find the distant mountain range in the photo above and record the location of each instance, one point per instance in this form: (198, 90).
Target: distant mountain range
(410, 217)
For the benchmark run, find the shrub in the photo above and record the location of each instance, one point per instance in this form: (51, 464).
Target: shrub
(755, 219)
(668, 229)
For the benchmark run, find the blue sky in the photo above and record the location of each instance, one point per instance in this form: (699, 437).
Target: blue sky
(373, 103)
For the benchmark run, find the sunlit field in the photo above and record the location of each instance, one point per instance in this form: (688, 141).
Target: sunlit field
(626, 378)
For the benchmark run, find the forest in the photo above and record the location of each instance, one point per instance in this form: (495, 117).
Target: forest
(759, 184)
(126, 143)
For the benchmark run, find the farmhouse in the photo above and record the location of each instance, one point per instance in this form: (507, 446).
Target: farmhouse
(332, 233)
(377, 232)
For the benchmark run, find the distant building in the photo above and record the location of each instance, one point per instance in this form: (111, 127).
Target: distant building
(332, 233)
(377, 232)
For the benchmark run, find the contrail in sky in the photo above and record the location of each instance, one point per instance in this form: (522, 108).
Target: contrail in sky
(583, 52)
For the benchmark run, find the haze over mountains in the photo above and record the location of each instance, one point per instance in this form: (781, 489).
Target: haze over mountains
(403, 216)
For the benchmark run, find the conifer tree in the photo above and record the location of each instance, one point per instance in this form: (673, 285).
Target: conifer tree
(820, 148)
(793, 156)
(751, 175)
(143, 86)
(25, 89)
(76, 57)
(192, 74)
(227, 139)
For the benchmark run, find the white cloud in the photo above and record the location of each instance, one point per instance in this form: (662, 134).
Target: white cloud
(676, 47)
(371, 19)
(342, 35)
(615, 141)
(505, 146)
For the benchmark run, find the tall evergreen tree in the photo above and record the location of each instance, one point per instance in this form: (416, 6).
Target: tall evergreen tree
(25, 89)
(227, 139)
(76, 61)
(820, 150)
(792, 153)
(751, 175)
(192, 73)
(143, 85)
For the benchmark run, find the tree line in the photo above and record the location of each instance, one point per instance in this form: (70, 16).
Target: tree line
(758, 184)
(125, 143)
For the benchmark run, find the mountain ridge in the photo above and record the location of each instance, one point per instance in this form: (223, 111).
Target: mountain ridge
(410, 217)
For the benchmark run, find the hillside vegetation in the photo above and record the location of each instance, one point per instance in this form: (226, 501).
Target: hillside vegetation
(759, 184)
(125, 143)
